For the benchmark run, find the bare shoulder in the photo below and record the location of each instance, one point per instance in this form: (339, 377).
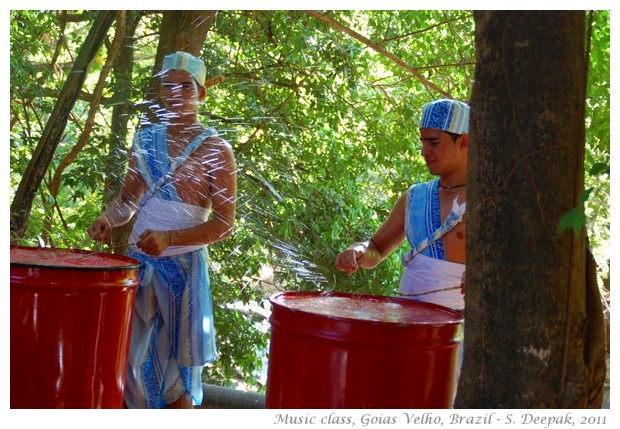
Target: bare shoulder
(402, 200)
(217, 147)
(215, 142)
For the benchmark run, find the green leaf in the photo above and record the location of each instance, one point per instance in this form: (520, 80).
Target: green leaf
(575, 219)
(599, 168)
(585, 195)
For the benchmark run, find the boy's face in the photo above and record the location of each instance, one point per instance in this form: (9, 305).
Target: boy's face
(441, 153)
(180, 92)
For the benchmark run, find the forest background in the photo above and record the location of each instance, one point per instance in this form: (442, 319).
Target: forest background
(324, 129)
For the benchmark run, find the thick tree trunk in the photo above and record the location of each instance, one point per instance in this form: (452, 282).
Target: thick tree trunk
(526, 308)
(38, 165)
(184, 30)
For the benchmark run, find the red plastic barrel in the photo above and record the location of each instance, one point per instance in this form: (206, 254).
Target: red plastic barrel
(361, 351)
(70, 324)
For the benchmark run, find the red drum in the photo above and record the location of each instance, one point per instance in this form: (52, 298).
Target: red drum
(361, 351)
(71, 316)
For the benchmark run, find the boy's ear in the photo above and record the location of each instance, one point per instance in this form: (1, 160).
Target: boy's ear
(464, 141)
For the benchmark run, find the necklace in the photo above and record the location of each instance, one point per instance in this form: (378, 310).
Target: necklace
(449, 188)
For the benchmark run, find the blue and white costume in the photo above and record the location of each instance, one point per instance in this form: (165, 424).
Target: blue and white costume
(428, 276)
(173, 335)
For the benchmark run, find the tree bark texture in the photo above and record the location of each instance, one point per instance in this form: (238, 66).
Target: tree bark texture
(526, 308)
(43, 154)
(118, 157)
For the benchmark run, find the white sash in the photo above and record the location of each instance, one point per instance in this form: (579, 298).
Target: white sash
(433, 280)
(163, 215)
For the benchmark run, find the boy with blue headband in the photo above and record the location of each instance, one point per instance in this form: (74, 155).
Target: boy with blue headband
(430, 215)
(181, 186)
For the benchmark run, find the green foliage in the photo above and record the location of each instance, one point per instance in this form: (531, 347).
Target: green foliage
(324, 131)
(597, 152)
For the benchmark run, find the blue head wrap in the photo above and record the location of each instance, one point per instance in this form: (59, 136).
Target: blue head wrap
(446, 115)
(183, 61)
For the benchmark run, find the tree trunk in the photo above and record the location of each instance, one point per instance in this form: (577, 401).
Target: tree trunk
(38, 165)
(526, 307)
(117, 155)
(184, 30)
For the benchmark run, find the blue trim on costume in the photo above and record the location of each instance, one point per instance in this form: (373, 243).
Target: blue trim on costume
(424, 217)
(151, 370)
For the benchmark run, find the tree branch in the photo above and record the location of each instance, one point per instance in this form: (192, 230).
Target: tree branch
(334, 24)
(90, 120)
(24, 196)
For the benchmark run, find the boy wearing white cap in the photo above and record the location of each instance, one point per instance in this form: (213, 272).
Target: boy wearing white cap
(430, 215)
(181, 185)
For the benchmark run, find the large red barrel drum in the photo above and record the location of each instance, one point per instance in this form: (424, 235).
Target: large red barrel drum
(361, 351)
(70, 324)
